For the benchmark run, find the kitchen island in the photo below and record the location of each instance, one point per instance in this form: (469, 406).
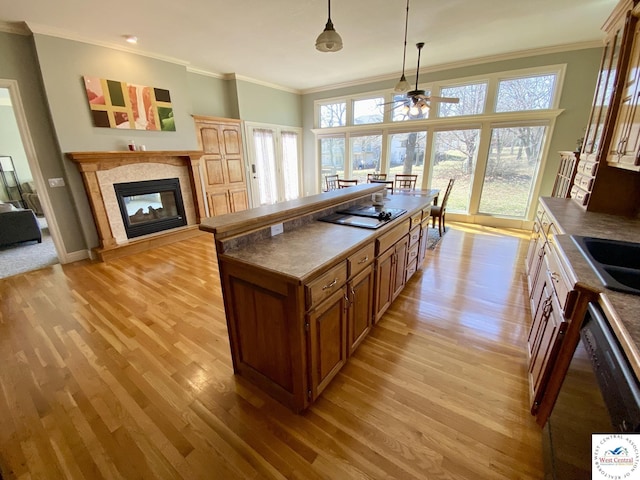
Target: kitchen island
(298, 303)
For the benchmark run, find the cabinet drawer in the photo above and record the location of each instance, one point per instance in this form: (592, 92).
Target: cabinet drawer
(413, 252)
(426, 213)
(359, 260)
(579, 195)
(390, 238)
(325, 285)
(584, 181)
(414, 235)
(557, 276)
(412, 267)
(416, 219)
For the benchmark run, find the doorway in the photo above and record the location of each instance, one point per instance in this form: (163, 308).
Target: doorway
(17, 149)
(274, 153)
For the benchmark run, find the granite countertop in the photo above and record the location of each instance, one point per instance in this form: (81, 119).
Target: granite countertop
(303, 251)
(622, 309)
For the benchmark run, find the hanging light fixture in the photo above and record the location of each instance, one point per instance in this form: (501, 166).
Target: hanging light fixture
(403, 86)
(329, 40)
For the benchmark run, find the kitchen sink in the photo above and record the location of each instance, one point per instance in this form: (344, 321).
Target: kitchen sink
(617, 263)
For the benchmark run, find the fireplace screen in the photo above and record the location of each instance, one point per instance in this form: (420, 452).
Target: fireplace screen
(150, 206)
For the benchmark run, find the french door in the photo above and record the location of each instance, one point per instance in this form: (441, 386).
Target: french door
(274, 166)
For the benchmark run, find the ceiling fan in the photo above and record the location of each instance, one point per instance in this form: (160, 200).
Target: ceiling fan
(417, 101)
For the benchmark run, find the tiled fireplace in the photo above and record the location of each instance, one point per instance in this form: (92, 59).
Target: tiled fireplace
(141, 199)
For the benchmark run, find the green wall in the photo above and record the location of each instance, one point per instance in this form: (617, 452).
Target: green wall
(259, 103)
(211, 96)
(19, 63)
(576, 98)
(11, 143)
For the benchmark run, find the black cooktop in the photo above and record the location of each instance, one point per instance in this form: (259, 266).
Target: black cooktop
(374, 211)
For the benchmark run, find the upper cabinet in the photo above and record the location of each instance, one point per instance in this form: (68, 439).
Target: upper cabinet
(603, 182)
(625, 144)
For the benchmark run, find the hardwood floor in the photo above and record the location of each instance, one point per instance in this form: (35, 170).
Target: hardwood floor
(123, 370)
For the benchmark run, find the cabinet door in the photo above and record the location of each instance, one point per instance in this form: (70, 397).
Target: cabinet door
(384, 282)
(238, 199)
(625, 145)
(545, 339)
(360, 292)
(327, 340)
(218, 202)
(400, 267)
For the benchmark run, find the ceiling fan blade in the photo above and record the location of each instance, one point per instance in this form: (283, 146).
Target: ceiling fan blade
(443, 99)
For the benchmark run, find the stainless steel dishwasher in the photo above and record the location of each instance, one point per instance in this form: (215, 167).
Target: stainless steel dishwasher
(600, 394)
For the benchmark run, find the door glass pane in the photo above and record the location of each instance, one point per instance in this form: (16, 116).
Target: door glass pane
(406, 155)
(527, 93)
(370, 110)
(265, 174)
(454, 156)
(365, 156)
(290, 173)
(332, 155)
(511, 169)
(472, 99)
(333, 115)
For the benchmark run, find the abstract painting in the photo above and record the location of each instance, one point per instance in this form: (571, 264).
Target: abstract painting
(116, 104)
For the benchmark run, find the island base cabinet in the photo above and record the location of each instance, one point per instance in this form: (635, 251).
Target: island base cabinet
(327, 336)
(267, 334)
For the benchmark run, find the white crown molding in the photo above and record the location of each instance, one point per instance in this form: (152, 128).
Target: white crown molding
(19, 28)
(235, 76)
(462, 63)
(206, 73)
(59, 33)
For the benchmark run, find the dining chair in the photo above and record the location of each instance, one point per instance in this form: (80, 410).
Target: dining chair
(438, 211)
(405, 182)
(332, 182)
(376, 176)
(346, 183)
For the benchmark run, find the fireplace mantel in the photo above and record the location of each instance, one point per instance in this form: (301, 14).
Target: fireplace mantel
(90, 163)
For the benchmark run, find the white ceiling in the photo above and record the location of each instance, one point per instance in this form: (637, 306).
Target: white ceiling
(273, 41)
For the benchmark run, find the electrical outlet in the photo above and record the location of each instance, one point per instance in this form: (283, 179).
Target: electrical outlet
(277, 229)
(56, 182)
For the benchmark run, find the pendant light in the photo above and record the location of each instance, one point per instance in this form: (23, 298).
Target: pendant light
(403, 86)
(329, 40)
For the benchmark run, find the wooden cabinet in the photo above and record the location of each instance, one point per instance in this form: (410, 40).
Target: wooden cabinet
(327, 340)
(391, 263)
(625, 144)
(544, 341)
(223, 164)
(558, 304)
(602, 183)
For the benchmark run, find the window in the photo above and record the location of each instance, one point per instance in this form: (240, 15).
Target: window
(454, 156)
(493, 151)
(370, 110)
(366, 152)
(527, 93)
(514, 157)
(332, 154)
(472, 99)
(333, 115)
(406, 154)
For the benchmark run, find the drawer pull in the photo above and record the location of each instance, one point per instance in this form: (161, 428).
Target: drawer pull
(554, 276)
(330, 285)
(363, 260)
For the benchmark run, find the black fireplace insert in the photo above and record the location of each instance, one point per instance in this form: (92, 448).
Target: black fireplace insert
(150, 206)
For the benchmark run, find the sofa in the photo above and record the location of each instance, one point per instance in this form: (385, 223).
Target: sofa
(18, 225)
